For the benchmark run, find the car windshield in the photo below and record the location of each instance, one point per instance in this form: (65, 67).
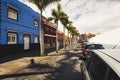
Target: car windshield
(94, 46)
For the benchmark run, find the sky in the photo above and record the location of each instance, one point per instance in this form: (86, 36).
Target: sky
(106, 39)
(87, 15)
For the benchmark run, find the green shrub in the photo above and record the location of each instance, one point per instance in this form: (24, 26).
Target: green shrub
(43, 54)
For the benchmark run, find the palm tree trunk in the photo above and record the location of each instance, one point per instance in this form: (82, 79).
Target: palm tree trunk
(41, 36)
(68, 37)
(57, 46)
(64, 38)
(71, 40)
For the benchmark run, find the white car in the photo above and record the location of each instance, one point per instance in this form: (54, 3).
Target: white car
(101, 65)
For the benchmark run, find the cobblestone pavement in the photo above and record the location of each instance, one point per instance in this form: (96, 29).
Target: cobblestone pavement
(62, 66)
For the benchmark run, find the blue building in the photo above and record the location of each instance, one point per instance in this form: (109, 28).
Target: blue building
(19, 28)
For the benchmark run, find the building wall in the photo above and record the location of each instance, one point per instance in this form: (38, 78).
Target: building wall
(60, 39)
(24, 25)
(49, 35)
(0, 18)
(67, 40)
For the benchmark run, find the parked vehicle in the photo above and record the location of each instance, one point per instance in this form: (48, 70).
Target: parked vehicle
(101, 65)
(89, 47)
(83, 44)
(77, 47)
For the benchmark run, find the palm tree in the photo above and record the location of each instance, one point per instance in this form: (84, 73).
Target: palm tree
(64, 22)
(74, 32)
(69, 27)
(57, 15)
(42, 4)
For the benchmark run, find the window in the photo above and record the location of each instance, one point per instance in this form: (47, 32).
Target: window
(48, 40)
(88, 58)
(97, 68)
(46, 28)
(94, 46)
(36, 39)
(12, 38)
(51, 30)
(12, 13)
(113, 76)
(54, 31)
(35, 22)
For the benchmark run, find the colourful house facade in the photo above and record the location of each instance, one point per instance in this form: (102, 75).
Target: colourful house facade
(19, 28)
(49, 35)
(60, 38)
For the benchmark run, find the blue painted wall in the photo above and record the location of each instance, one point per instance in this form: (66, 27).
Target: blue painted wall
(25, 22)
(0, 19)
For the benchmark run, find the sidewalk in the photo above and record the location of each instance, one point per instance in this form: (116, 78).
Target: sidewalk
(14, 66)
(18, 64)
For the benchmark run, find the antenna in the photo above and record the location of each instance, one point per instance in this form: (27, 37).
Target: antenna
(116, 45)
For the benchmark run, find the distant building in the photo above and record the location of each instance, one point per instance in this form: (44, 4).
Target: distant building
(19, 28)
(86, 37)
(83, 37)
(67, 40)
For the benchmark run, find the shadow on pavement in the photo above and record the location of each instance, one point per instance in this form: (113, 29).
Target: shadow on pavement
(36, 69)
(20, 55)
(65, 71)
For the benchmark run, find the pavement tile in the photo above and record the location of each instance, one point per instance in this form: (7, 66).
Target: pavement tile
(18, 64)
(13, 66)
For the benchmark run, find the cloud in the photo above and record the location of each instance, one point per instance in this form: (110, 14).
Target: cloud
(102, 18)
(88, 15)
(96, 15)
(30, 5)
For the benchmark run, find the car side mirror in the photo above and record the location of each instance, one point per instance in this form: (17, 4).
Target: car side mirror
(82, 58)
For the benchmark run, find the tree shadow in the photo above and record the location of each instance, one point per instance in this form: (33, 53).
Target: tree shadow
(67, 69)
(20, 55)
(69, 55)
(35, 69)
(66, 72)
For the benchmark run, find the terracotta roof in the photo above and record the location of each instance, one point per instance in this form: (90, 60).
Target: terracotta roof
(60, 32)
(48, 22)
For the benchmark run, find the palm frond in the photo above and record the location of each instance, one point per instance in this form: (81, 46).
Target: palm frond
(59, 7)
(50, 18)
(42, 4)
(47, 2)
(55, 13)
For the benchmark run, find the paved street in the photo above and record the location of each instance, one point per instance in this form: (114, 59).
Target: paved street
(62, 66)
